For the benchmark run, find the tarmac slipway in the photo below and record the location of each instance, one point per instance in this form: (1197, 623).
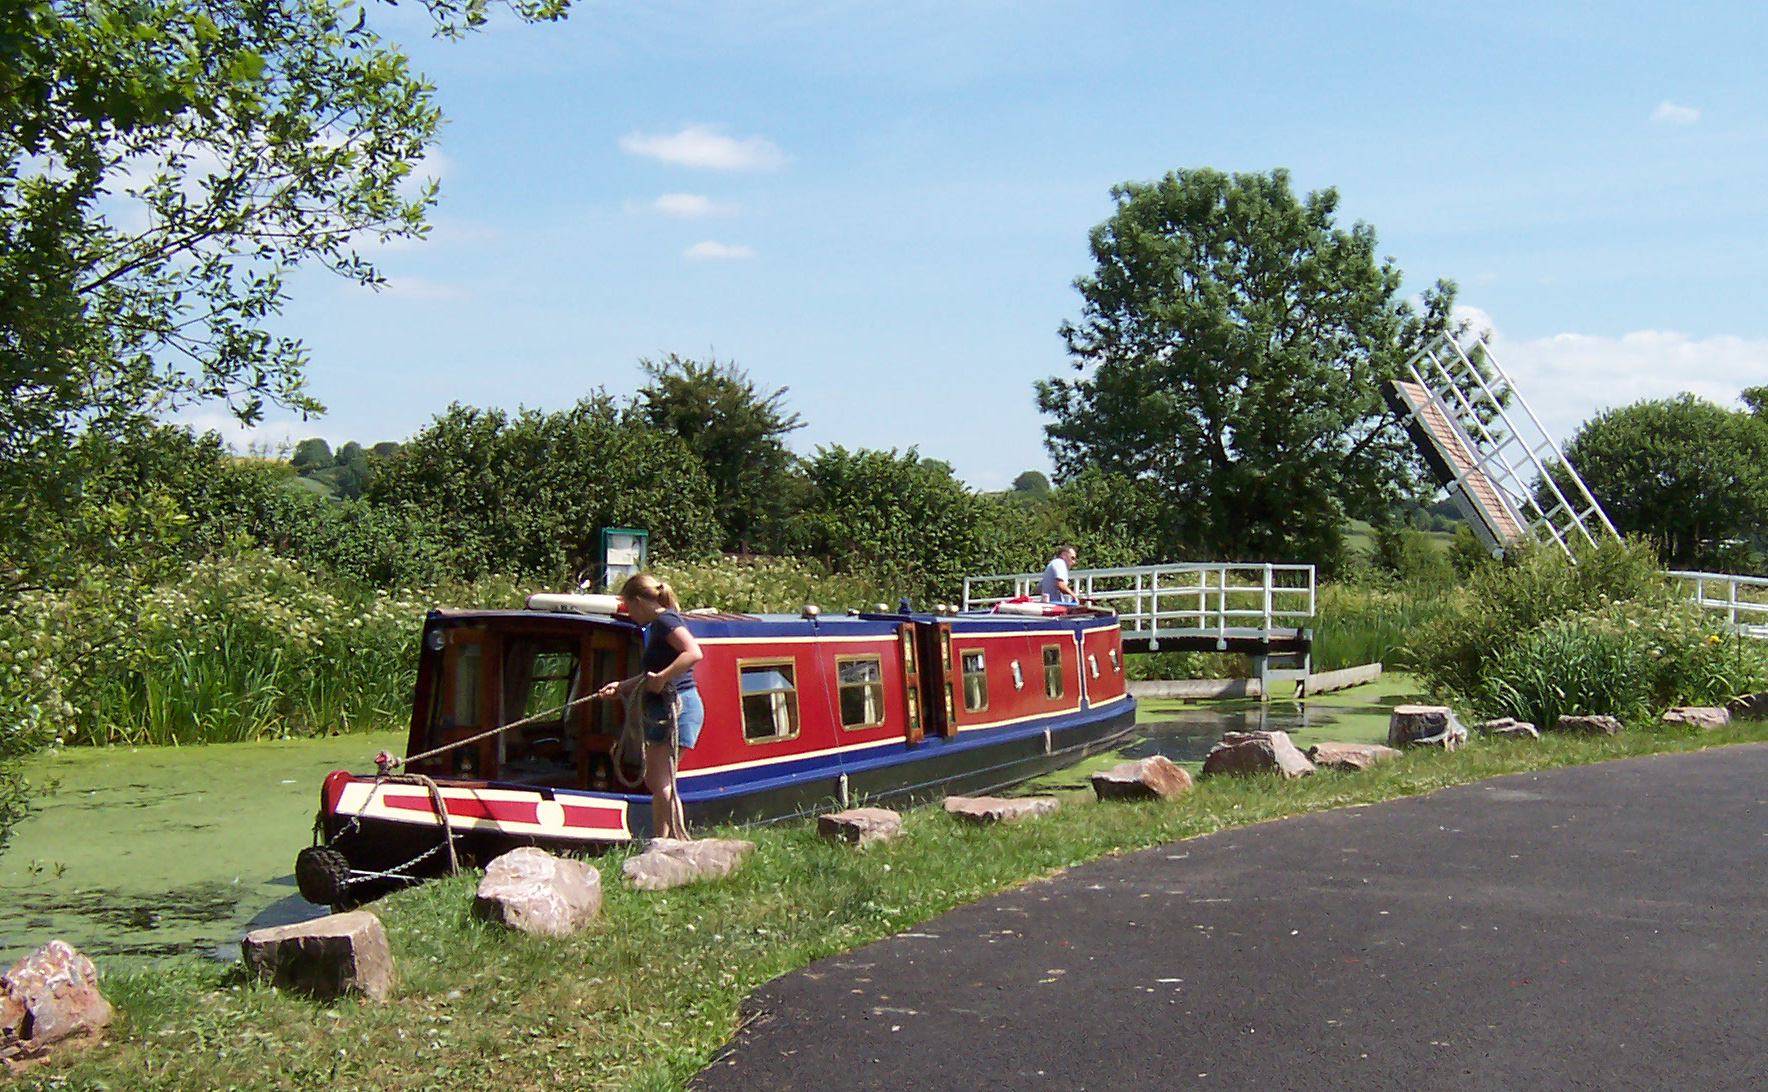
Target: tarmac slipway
(1599, 927)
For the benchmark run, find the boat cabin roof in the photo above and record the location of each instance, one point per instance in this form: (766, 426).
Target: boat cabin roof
(723, 624)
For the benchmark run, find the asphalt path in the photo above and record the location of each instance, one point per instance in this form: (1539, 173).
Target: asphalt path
(1600, 927)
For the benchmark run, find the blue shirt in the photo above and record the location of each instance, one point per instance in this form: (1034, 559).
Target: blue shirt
(659, 653)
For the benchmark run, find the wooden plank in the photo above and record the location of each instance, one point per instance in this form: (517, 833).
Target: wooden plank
(1194, 689)
(1327, 681)
(1453, 450)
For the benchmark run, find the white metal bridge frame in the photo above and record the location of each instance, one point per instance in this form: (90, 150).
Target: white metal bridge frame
(1186, 599)
(1498, 453)
(1724, 592)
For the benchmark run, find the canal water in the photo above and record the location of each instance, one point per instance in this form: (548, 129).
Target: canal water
(139, 854)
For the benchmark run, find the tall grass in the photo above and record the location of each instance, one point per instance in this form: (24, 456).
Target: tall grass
(1359, 624)
(242, 647)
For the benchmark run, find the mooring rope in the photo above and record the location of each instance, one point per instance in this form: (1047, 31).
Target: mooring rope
(385, 762)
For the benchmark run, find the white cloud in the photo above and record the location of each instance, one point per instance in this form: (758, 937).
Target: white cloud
(268, 436)
(704, 146)
(686, 205)
(710, 250)
(1566, 379)
(1668, 113)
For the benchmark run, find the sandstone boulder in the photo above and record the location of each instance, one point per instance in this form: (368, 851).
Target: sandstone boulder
(1349, 756)
(324, 958)
(532, 891)
(983, 810)
(1154, 778)
(48, 997)
(1507, 728)
(1704, 717)
(860, 826)
(1425, 726)
(1241, 754)
(677, 862)
(1594, 725)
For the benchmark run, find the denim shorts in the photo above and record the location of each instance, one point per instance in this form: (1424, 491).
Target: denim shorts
(693, 714)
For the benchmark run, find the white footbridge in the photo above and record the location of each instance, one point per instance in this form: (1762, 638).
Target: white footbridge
(1264, 611)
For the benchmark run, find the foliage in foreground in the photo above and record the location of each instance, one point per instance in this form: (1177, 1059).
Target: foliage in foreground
(644, 998)
(1543, 634)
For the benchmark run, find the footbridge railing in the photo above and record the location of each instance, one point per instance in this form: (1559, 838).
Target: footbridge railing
(1190, 600)
(1744, 599)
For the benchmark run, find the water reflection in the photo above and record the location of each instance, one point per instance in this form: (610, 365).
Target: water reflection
(1188, 736)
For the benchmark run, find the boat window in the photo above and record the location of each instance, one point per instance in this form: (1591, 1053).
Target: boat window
(540, 679)
(465, 709)
(908, 653)
(1093, 664)
(975, 680)
(770, 700)
(914, 709)
(538, 675)
(1018, 677)
(861, 683)
(1052, 671)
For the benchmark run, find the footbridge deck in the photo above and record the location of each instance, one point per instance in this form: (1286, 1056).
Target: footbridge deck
(1264, 611)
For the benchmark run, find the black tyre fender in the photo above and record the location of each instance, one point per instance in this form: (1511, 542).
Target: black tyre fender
(323, 876)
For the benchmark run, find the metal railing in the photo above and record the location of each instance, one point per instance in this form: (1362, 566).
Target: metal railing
(1192, 597)
(1746, 611)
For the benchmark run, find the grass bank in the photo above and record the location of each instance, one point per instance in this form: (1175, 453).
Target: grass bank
(644, 998)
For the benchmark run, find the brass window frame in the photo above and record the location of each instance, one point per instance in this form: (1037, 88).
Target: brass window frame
(877, 662)
(1044, 651)
(743, 696)
(964, 675)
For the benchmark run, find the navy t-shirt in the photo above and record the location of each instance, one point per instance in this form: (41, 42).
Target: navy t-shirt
(659, 653)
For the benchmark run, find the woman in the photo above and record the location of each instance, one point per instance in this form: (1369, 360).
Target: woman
(670, 698)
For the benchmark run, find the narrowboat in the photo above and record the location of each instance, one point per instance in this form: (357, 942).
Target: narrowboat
(804, 713)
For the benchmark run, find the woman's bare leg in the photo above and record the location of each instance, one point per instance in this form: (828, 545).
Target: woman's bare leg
(660, 779)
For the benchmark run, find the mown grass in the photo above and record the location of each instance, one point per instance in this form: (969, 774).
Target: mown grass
(643, 999)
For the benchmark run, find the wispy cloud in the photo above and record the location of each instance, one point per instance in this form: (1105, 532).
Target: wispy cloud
(704, 146)
(686, 205)
(1668, 113)
(710, 250)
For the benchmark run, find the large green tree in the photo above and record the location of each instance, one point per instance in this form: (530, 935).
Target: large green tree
(1686, 474)
(163, 165)
(1230, 351)
(737, 431)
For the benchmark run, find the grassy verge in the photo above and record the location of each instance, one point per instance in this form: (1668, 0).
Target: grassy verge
(644, 998)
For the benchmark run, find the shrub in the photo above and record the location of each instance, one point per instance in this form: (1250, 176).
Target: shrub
(1533, 585)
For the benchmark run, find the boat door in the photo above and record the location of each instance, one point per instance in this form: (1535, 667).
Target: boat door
(933, 648)
(911, 683)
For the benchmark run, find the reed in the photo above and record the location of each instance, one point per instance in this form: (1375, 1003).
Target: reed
(1360, 624)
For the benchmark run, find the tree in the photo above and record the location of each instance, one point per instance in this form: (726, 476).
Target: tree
(163, 164)
(1031, 485)
(905, 518)
(528, 495)
(1231, 346)
(737, 432)
(1687, 475)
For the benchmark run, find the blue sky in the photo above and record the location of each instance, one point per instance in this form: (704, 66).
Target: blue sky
(882, 207)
